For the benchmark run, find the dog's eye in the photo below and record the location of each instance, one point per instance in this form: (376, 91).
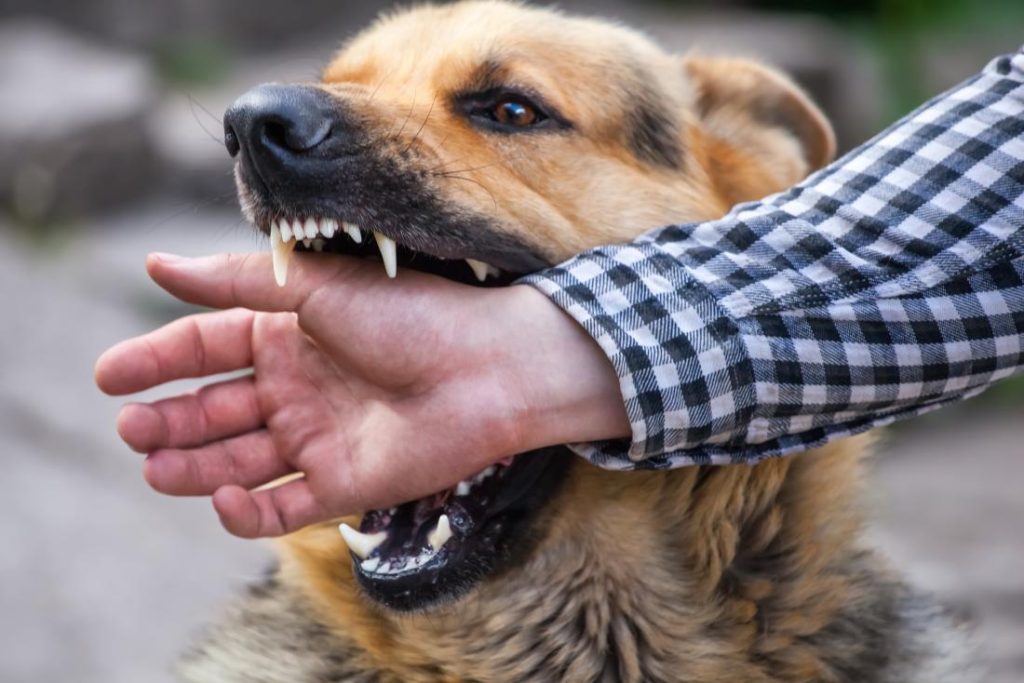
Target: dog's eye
(516, 112)
(506, 111)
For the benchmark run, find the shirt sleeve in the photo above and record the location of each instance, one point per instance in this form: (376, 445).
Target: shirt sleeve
(884, 285)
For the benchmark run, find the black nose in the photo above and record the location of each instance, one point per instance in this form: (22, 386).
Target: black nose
(276, 123)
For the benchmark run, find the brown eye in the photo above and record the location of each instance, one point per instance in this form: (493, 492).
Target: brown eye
(508, 111)
(512, 112)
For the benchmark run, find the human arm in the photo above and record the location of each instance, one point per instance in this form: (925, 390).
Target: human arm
(378, 390)
(885, 285)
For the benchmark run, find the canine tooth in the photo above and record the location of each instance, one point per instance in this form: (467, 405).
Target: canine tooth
(359, 543)
(286, 230)
(388, 252)
(479, 268)
(311, 228)
(353, 231)
(441, 533)
(328, 226)
(318, 244)
(463, 488)
(370, 564)
(281, 253)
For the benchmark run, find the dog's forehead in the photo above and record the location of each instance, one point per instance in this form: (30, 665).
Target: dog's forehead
(441, 47)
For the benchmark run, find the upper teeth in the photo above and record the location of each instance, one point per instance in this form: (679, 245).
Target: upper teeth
(354, 232)
(285, 234)
(479, 268)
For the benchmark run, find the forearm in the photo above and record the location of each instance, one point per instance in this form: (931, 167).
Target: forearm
(557, 382)
(884, 285)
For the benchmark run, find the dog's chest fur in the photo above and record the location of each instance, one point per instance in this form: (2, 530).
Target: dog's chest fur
(756, 578)
(270, 636)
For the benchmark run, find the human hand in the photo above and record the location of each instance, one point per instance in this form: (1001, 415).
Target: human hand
(379, 391)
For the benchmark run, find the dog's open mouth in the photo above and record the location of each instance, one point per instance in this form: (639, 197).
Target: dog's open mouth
(438, 547)
(335, 236)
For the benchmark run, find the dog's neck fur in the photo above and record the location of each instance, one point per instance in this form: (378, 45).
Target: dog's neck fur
(728, 573)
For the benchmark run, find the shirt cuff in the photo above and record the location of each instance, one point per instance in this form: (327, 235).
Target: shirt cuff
(684, 373)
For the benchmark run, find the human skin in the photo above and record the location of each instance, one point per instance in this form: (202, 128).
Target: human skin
(379, 391)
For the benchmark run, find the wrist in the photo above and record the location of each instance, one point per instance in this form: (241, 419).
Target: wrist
(560, 385)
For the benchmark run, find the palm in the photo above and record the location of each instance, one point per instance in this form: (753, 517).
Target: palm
(348, 391)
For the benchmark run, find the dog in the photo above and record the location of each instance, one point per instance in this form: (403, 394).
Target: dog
(482, 141)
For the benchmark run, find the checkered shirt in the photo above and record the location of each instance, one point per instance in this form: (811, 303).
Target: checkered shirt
(889, 283)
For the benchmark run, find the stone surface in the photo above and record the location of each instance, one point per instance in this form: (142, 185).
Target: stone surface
(102, 580)
(72, 125)
(248, 24)
(948, 510)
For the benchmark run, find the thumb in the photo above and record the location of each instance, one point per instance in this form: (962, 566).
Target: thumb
(245, 280)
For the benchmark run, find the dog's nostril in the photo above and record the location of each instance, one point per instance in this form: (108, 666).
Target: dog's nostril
(298, 135)
(231, 141)
(276, 134)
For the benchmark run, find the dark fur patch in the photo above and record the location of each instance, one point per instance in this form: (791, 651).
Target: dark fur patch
(654, 135)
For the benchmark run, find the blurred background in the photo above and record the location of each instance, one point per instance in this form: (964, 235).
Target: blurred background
(110, 147)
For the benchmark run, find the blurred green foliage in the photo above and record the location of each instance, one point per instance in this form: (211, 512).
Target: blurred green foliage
(192, 62)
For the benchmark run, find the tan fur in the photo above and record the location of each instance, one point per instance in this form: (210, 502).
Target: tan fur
(710, 575)
(671, 553)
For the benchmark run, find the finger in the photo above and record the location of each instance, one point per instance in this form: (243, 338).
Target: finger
(194, 346)
(216, 411)
(249, 460)
(271, 512)
(246, 280)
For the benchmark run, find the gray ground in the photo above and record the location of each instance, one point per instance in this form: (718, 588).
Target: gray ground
(104, 581)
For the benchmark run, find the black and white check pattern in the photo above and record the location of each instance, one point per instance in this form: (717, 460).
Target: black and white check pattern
(888, 283)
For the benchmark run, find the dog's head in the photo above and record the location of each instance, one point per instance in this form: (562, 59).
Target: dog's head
(482, 141)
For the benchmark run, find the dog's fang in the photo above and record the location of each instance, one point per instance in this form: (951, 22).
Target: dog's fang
(281, 253)
(359, 543)
(480, 269)
(354, 232)
(441, 533)
(388, 252)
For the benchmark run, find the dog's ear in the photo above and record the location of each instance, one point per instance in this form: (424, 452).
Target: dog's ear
(762, 130)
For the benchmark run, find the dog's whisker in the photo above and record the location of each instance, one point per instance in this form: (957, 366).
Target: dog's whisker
(192, 104)
(422, 125)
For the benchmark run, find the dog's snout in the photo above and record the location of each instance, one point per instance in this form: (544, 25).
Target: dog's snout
(279, 123)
